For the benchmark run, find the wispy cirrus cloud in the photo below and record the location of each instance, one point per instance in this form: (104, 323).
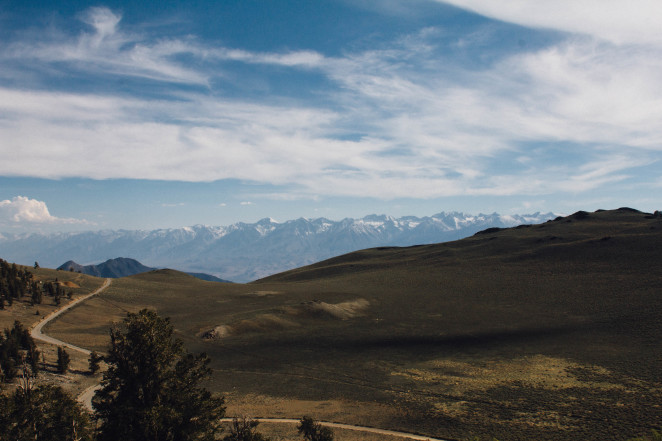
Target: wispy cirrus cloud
(108, 49)
(399, 120)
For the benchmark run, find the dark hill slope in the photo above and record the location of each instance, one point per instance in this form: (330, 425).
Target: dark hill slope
(622, 236)
(114, 268)
(578, 274)
(123, 267)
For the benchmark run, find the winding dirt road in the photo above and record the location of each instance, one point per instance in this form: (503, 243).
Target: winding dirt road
(348, 427)
(37, 331)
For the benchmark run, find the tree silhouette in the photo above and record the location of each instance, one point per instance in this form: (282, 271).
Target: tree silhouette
(63, 360)
(313, 431)
(43, 413)
(94, 360)
(150, 390)
(244, 429)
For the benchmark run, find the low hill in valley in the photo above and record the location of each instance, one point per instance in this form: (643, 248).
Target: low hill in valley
(122, 267)
(115, 268)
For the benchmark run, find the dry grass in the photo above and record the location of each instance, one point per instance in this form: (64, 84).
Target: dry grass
(342, 311)
(288, 318)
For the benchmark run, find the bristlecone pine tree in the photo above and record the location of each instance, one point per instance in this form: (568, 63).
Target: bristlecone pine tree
(150, 391)
(63, 360)
(313, 431)
(94, 361)
(43, 413)
(244, 429)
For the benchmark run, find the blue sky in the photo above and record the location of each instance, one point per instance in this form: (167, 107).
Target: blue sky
(165, 114)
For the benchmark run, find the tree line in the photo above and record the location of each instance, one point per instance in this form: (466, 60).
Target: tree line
(15, 283)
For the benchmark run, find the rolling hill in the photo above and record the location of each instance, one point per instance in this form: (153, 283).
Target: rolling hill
(119, 267)
(122, 267)
(547, 332)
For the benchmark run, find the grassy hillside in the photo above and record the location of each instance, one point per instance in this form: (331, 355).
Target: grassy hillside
(537, 332)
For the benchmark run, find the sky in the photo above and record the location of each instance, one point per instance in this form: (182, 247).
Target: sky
(152, 114)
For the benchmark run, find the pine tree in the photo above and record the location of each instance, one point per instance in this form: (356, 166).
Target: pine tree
(43, 413)
(62, 360)
(14, 346)
(150, 390)
(94, 360)
(313, 431)
(33, 359)
(244, 429)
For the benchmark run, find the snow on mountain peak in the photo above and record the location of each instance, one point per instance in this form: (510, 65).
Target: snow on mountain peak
(237, 253)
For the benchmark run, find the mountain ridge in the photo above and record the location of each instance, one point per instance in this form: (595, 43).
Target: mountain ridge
(248, 251)
(122, 267)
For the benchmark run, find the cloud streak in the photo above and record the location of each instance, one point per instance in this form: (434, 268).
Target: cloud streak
(632, 22)
(399, 121)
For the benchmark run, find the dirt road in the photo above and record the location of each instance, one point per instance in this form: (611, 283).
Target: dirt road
(348, 427)
(37, 333)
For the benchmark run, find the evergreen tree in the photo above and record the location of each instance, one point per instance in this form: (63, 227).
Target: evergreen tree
(62, 360)
(94, 360)
(44, 413)
(150, 391)
(313, 431)
(244, 429)
(33, 359)
(49, 288)
(14, 346)
(58, 293)
(36, 292)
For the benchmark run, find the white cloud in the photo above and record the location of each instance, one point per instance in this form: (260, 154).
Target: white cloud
(617, 21)
(22, 210)
(400, 121)
(103, 20)
(109, 51)
(291, 59)
(246, 203)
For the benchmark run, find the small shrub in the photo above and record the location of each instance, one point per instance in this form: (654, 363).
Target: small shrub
(244, 429)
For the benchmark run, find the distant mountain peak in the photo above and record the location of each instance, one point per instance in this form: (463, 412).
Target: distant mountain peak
(121, 267)
(114, 268)
(248, 251)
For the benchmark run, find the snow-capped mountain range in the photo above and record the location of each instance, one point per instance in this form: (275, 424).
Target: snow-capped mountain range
(243, 252)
